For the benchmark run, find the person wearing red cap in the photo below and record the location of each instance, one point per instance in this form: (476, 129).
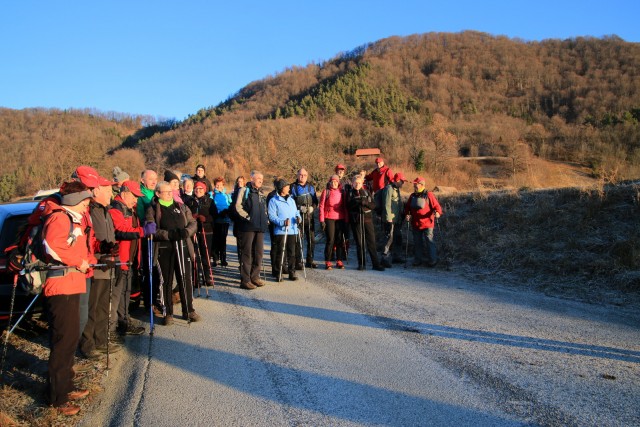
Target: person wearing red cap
(380, 176)
(62, 289)
(128, 232)
(201, 208)
(392, 216)
(341, 171)
(422, 209)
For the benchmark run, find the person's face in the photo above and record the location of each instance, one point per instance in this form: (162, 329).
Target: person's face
(418, 187)
(188, 186)
(129, 199)
(200, 172)
(302, 177)
(380, 165)
(165, 193)
(150, 179)
(240, 182)
(357, 184)
(175, 184)
(257, 180)
(285, 191)
(199, 192)
(334, 183)
(220, 186)
(102, 194)
(340, 173)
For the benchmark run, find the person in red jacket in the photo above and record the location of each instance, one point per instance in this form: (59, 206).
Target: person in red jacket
(66, 246)
(380, 176)
(333, 218)
(422, 208)
(128, 232)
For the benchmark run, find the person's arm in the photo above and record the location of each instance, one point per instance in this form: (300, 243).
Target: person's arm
(239, 207)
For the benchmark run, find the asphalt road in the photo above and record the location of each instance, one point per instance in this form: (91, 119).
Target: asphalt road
(404, 347)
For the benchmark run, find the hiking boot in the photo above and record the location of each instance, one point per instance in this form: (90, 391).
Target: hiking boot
(299, 266)
(168, 320)
(132, 330)
(116, 339)
(311, 265)
(224, 263)
(248, 285)
(68, 409)
(385, 263)
(258, 283)
(157, 312)
(328, 266)
(78, 394)
(214, 263)
(292, 276)
(91, 355)
(210, 283)
(113, 348)
(378, 267)
(192, 316)
(340, 265)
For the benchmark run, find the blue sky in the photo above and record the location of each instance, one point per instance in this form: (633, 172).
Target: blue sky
(170, 58)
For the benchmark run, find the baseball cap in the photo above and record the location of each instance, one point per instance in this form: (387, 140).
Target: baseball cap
(131, 186)
(200, 184)
(90, 177)
(379, 159)
(419, 180)
(340, 166)
(399, 177)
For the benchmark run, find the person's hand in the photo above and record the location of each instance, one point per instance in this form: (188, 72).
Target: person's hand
(201, 218)
(106, 247)
(150, 229)
(437, 215)
(323, 225)
(108, 261)
(184, 233)
(286, 222)
(84, 267)
(303, 209)
(310, 210)
(298, 220)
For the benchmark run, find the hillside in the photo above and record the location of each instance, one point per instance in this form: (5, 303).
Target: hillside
(423, 100)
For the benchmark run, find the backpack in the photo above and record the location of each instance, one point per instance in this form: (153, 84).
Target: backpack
(28, 258)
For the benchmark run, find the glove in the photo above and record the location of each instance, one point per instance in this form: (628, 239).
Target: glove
(303, 209)
(150, 229)
(106, 247)
(109, 262)
(286, 222)
(323, 225)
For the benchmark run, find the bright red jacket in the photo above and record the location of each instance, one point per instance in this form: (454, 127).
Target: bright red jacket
(58, 246)
(422, 217)
(127, 233)
(379, 177)
(333, 204)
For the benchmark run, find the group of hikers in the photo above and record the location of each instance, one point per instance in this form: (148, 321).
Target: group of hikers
(104, 234)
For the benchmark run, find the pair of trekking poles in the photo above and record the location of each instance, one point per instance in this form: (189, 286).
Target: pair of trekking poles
(10, 328)
(406, 250)
(284, 249)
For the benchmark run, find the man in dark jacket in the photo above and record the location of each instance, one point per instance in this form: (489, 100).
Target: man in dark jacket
(392, 217)
(360, 205)
(306, 200)
(252, 223)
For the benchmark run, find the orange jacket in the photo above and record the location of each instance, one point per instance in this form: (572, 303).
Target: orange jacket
(58, 246)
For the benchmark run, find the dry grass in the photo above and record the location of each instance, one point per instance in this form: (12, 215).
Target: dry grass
(23, 399)
(583, 243)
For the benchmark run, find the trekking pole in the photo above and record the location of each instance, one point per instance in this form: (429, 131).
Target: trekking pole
(206, 253)
(362, 239)
(284, 248)
(406, 248)
(304, 267)
(26, 310)
(183, 293)
(6, 338)
(196, 271)
(109, 318)
(150, 256)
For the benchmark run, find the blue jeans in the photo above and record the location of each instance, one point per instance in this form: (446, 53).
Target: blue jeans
(420, 238)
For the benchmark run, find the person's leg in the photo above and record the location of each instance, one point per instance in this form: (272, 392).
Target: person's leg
(293, 245)
(370, 239)
(258, 252)
(417, 246)
(64, 317)
(246, 238)
(388, 230)
(329, 234)
(166, 261)
(87, 340)
(101, 328)
(396, 251)
(431, 247)
(276, 259)
(84, 307)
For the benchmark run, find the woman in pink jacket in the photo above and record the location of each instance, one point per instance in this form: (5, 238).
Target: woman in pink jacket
(334, 220)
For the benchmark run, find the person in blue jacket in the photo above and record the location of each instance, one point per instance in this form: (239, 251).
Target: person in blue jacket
(304, 193)
(221, 221)
(284, 215)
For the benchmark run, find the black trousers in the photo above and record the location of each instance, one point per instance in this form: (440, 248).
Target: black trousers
(334, 233)
(252, 251)
(220, 232)
(392, 240)
(365, 238)
(170, 256)
(308, 239)
(64, 320)
(203, 254)
(95, 333)
(278, 247)
(120, 311)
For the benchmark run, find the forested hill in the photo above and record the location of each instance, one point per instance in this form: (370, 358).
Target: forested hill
(424, 100)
